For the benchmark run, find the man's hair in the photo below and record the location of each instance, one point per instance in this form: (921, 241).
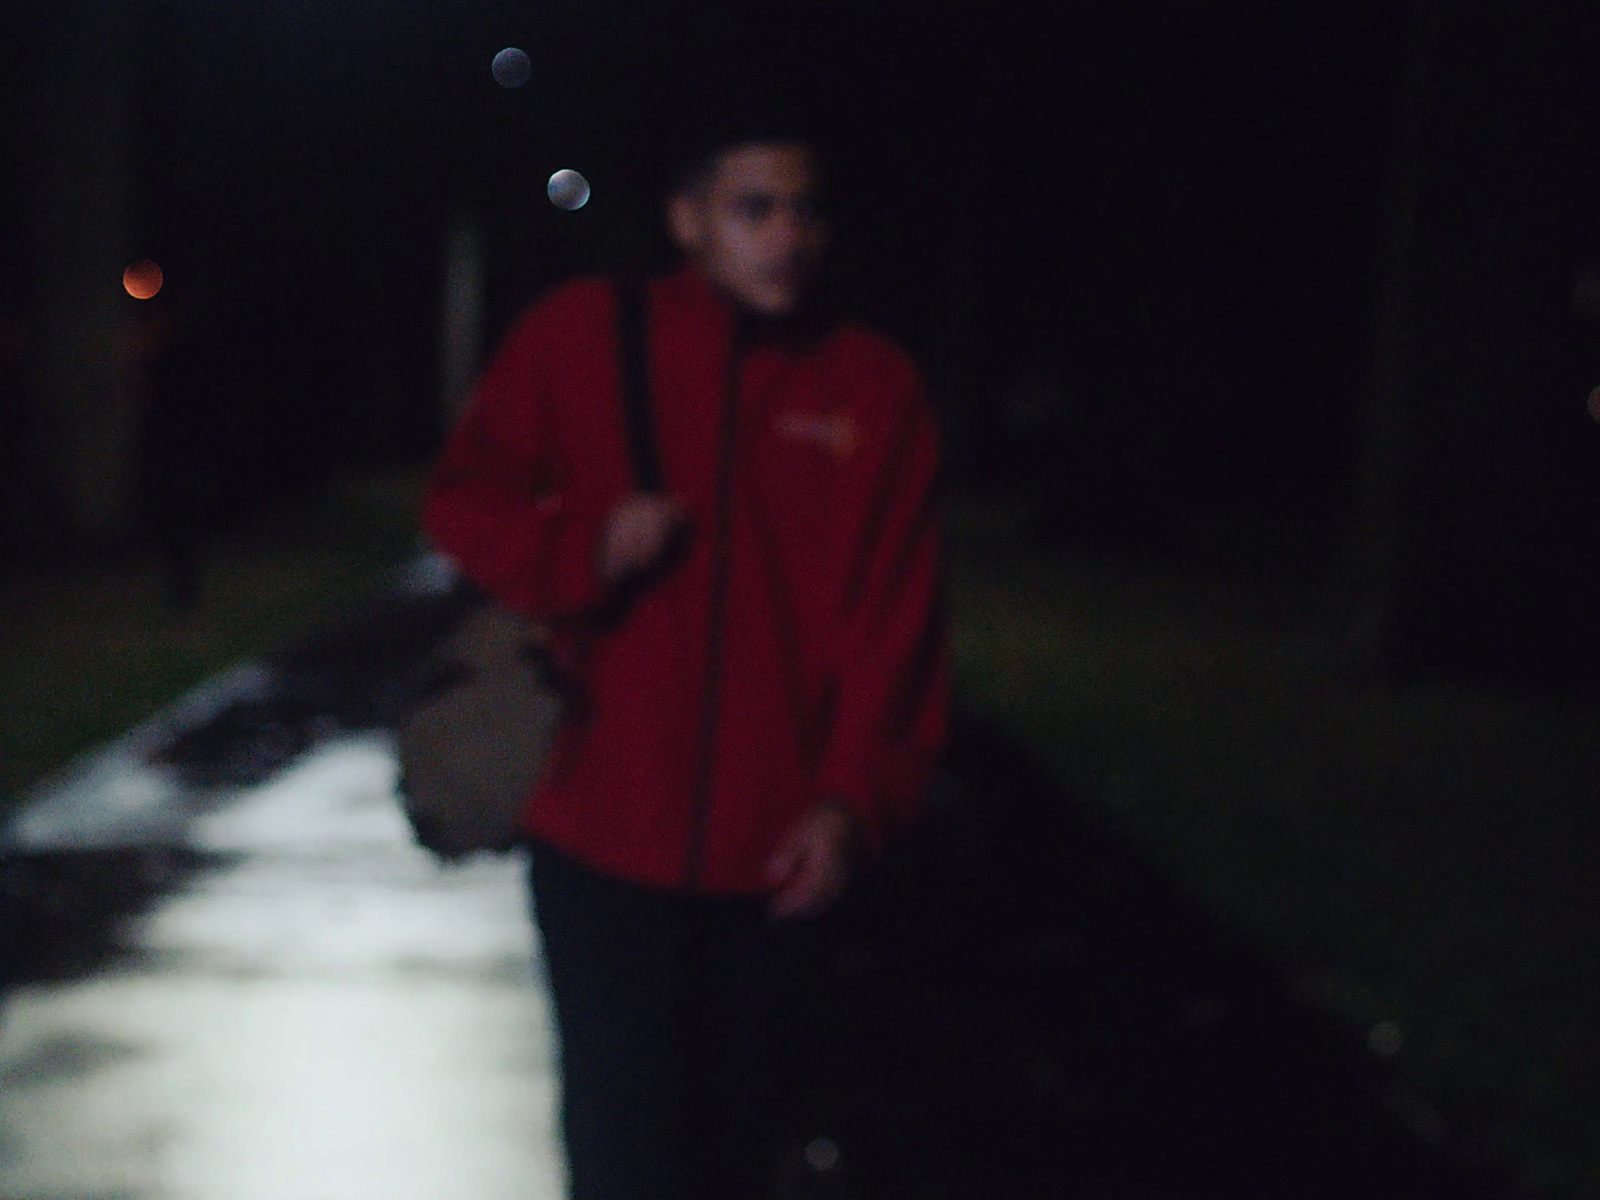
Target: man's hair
(704, 138)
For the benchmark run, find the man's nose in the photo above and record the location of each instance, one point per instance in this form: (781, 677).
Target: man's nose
(788, 225)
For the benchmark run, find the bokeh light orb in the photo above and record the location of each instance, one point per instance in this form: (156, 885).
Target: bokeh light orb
(142, 279)
(1385, 1039)
(822, 1154)
(512, 68)
(1594, 404)
(568, 190)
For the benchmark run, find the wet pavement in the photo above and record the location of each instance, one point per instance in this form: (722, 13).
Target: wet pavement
(304, 1006)
(232, 974)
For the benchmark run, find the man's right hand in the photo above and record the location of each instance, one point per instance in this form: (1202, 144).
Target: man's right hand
(638, 535)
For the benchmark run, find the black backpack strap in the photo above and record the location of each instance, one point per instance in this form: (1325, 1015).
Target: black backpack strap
(632, 301)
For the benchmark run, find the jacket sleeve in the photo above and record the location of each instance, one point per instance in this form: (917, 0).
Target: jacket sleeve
(500, 500)
(890, 663)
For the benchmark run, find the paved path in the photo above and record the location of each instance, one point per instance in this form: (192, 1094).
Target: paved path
(314, 1012)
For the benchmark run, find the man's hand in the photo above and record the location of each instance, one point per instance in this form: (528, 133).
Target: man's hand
(812, 864)
(637, 537)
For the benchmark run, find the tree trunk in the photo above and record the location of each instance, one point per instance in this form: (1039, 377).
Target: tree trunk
(1375, 532)
(461, 326)
(84, 423)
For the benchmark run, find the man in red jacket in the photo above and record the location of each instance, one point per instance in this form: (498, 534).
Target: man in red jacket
(771, 704)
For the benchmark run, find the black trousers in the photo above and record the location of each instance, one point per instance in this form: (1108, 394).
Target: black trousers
(677, 1019)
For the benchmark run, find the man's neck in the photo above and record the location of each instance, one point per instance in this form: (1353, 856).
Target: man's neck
(752, 325)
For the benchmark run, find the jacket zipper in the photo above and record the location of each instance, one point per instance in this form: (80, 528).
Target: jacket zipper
(700, 813)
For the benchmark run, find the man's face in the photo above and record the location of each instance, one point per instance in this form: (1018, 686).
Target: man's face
(752, 226)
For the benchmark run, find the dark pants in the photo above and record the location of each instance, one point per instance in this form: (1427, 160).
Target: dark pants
(676, 1018)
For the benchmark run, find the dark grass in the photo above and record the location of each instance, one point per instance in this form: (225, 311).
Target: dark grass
(1416, 855)
(89, 652)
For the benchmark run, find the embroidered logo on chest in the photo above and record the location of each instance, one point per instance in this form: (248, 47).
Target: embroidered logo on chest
(834, 432)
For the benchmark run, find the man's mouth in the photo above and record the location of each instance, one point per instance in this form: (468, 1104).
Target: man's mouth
(787, 276)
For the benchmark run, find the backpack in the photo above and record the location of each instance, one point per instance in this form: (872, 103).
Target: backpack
(487, 701)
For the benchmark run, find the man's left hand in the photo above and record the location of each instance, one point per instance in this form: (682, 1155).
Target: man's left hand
(812, 864)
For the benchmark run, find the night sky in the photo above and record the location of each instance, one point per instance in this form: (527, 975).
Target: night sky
(1160, 200)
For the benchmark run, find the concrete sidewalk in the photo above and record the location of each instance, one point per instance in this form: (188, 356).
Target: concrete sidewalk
(314, 1011)
(236, 976)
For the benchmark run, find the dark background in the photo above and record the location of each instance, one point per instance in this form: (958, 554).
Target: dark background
(1178, 218)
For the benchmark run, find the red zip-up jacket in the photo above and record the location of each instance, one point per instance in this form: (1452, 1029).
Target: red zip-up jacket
(795, 653)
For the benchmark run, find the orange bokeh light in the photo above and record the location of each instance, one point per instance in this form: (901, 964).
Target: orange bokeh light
(142, 279)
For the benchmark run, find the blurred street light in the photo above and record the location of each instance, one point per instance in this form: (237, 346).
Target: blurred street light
(143, 279)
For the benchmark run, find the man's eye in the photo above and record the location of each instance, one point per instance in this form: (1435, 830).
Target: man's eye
(756, 208)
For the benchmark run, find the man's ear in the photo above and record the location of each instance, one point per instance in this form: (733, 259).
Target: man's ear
(685, 222)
